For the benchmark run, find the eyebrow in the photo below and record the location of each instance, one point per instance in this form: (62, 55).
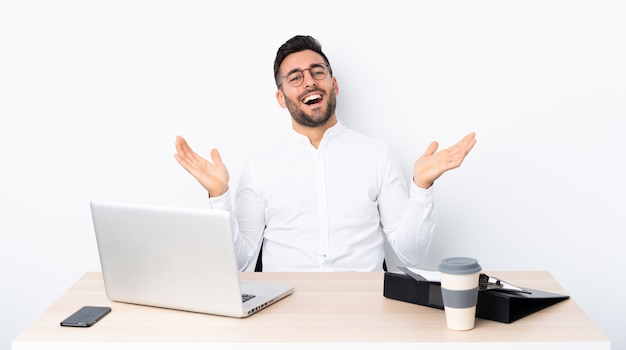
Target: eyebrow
(300, 70)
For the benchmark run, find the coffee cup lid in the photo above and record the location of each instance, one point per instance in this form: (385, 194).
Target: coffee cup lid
(459, 266)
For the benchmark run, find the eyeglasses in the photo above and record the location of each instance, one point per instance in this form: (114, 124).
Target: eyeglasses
(295, 78)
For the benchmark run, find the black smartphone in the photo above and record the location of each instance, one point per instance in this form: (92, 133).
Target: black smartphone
(86, 316)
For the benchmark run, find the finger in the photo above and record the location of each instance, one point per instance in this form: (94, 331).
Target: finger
(186, 152)
(185, 155)
(181, 145)
(458, 152)
(469, 142)
(469, 139)
(216, 157)
(432, 148)
(180, 141)
(464, 145)
(471, 135)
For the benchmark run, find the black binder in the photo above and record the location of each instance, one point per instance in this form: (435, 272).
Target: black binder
(494, 305)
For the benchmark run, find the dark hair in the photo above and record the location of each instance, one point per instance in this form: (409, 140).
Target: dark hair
(296, 44)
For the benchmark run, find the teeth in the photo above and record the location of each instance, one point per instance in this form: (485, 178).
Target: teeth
(311, 98)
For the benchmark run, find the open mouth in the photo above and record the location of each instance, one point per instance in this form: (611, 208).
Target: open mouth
(312, 99)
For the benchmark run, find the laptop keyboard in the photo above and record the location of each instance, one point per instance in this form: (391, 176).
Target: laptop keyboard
(246, 297)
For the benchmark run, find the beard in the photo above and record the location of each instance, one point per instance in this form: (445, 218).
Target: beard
(319, 118)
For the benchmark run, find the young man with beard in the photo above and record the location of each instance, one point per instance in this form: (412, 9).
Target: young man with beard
(326, 197)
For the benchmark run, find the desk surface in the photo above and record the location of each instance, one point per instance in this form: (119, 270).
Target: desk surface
(339, 308)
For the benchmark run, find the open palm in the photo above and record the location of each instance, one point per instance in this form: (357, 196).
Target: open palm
(432, 164)
(212, 176)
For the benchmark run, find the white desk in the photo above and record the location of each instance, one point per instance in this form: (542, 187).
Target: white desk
(330, 308)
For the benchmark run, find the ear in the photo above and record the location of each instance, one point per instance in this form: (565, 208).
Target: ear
(335, 85)
(280, 97)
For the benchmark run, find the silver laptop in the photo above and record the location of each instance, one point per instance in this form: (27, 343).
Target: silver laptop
(177, 258)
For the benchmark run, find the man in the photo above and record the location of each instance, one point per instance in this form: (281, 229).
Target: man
(325, 198)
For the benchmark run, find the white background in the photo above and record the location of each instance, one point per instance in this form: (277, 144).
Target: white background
(93, 93)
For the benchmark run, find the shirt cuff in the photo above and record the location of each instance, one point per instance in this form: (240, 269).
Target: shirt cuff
(424, 195)
(221, 202)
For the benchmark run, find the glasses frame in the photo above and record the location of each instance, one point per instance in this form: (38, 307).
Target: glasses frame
(297, 70)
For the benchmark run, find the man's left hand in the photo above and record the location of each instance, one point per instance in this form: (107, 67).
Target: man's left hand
(432, 164)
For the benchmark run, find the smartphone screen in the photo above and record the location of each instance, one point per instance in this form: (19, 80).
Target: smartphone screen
(86, 316)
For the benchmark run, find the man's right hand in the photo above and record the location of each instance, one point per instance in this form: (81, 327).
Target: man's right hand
(212, 176)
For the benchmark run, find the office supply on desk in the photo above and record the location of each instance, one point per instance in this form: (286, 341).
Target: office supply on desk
(505, 305)
(459, 278)
(177, 258)
(86, 316)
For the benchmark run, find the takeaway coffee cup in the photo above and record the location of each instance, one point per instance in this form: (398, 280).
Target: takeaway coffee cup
(459, 289)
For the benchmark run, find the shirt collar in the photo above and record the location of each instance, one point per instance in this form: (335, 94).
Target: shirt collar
(332, 131)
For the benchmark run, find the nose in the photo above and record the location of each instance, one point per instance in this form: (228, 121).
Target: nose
(308, 79)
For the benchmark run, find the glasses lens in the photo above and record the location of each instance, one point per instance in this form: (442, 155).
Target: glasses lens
(318, 72)
(295, 78)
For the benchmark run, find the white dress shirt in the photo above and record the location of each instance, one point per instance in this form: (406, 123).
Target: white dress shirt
(330, 208)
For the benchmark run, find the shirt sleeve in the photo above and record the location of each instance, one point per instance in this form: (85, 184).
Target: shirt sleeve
(408, 217)
(250, 214)
(246, 245)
